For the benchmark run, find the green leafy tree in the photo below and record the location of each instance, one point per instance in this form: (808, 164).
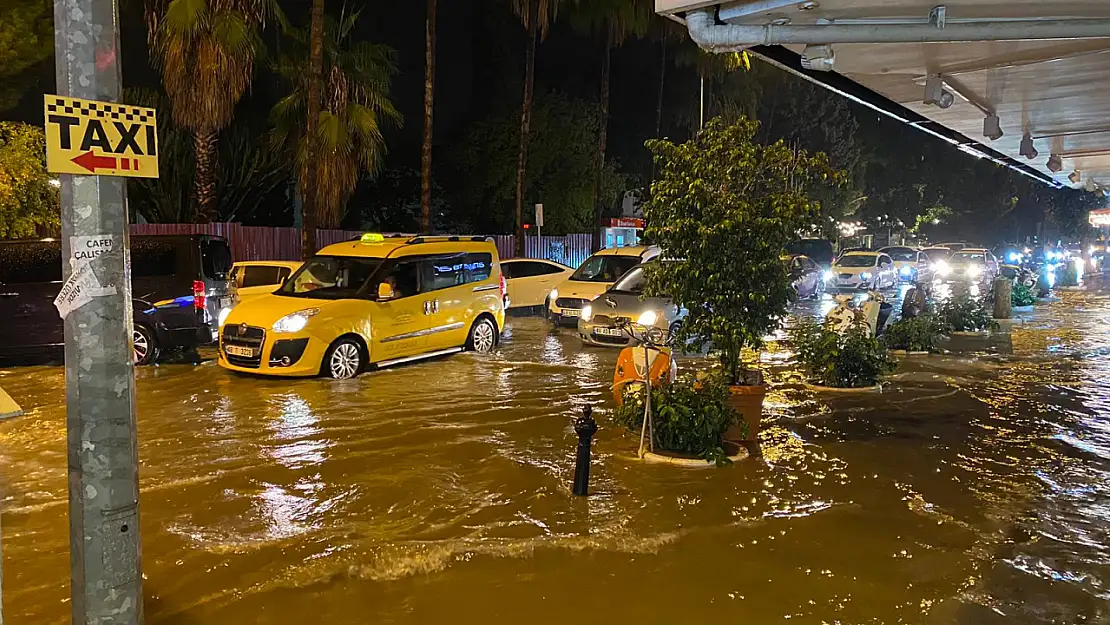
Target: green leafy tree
(560, 171)
(206, 50)
(726, 206)
(354, 110)
(26, 39)
(28, 199)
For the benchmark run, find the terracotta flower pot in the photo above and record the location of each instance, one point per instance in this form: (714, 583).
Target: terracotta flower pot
(748, 401)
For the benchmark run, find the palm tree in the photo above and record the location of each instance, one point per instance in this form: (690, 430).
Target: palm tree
(536, 16)
(614, 21)
(206, 50)
(354, 108)
(429, 94)
(310, 209)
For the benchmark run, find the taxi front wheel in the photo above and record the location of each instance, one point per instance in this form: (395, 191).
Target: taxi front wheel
(343, 359)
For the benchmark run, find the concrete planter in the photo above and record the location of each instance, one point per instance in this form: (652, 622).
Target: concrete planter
(836, 389)
(902, 352)
(675, 459)
(748, 401)
(971, 333)
(1023, 309)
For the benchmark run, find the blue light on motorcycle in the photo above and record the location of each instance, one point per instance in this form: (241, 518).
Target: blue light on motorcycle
(1014, 257)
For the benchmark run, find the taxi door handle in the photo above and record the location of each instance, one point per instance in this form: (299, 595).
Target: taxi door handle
(431, 306)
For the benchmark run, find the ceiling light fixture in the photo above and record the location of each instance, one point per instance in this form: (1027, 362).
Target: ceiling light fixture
(819, 58)
(1026, 148)
(936, 94)
(1055, 163)
(808, 5)
(992, 128)
(1075, 177)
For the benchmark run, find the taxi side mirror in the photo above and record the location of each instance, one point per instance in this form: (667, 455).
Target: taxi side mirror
(385, 291)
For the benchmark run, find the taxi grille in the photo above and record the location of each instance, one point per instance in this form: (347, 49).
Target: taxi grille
(243, 336)
(571, 302)
(607, 320)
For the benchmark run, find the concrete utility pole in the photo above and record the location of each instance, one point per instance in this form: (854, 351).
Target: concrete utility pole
(100, 377)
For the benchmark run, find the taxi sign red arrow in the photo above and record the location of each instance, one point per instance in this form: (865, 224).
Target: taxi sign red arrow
(92, 162)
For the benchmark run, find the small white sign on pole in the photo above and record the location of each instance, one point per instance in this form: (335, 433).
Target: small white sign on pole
(539, 220)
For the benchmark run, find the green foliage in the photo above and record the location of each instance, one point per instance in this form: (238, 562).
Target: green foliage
(689, 415)
(963, 313)
(562, 154)
(27, 199)
(854, 359)
(1022, 296)
(358, 76)
(26, 39)
(726, 207)
(915, 334)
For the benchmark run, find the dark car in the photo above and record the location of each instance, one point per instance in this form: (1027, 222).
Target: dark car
(819, 251)
(807, 276)
(179, 283)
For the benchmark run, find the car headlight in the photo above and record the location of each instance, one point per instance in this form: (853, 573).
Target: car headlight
(975, 271)
(224, 312)
(554, 295)
(865, 275)
(827, 275)
(587, 312)
(905, 270)
(648, 318)
(942, 268)
(294, 322)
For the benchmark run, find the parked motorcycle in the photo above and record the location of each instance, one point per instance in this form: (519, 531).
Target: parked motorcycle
(874, 310)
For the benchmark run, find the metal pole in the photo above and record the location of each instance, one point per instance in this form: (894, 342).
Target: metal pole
(100, 377)
(701, 109)
(585, 427)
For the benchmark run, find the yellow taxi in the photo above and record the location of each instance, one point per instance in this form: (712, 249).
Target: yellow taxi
(372, 302)
(258, 277)
(591, 279)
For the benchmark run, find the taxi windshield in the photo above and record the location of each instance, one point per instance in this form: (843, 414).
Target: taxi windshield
(860, 260)
(604, 268)
(330, 277)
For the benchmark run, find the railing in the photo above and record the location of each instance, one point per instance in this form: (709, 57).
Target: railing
(267, 243)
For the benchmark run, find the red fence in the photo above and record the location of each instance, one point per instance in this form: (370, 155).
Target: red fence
(266, 243)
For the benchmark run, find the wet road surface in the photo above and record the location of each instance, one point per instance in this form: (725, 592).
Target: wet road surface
(972, 490)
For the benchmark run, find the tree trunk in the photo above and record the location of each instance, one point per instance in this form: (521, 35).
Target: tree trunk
(602, 135)
(659, 102)
(525, 121)
(204, 183)
(429, 95)
(315, 70)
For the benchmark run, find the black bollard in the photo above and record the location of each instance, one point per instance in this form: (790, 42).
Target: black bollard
(585, 427)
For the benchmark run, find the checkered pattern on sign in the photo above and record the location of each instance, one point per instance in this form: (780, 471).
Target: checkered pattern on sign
(119, 112)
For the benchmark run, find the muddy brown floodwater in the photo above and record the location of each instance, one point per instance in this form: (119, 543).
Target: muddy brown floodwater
(972, 490)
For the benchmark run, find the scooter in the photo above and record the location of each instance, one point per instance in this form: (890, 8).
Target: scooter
(875, 312)
(642, 367)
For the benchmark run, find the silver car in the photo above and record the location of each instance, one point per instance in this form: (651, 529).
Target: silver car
(624, 300)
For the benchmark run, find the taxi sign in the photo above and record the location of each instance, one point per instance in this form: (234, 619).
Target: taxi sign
(371, 237)
(91, 138)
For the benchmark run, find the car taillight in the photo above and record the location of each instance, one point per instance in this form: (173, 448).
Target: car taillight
(198, 294)
(501, 286)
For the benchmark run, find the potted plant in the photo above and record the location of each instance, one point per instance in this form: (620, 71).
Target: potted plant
(725, 207)
(689, 418)
(850, 360)
(918, 334)
(1022, 298)
(964, 314)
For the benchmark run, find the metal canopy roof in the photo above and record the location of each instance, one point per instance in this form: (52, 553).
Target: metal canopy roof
(1038, 80)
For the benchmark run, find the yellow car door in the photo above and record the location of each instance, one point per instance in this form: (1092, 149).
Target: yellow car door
(530, 281)
(400, 324)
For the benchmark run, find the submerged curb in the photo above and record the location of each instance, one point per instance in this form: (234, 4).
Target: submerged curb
(835, 389)
(902, 352)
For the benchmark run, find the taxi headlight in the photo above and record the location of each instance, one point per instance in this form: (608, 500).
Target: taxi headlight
(942, 268)
(648, 318)
(587, 312)
(294, 322)
(224, 312)
(974, 271)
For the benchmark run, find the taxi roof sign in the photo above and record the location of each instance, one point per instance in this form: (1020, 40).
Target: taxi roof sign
(91, 138)
(371, 237)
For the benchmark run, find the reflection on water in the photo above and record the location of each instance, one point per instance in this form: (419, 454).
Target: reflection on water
(972, 490)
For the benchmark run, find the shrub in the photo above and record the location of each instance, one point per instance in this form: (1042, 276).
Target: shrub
(915, 334)
(1022, 296)
(963, 313)
(689, 416)
(854, 359)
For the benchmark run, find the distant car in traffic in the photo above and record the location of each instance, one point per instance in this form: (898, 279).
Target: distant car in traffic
(910, 263)
(257, 277)
(819, 251)
(971, 264)
(806, 276)
(592, 278)
(863, 271)
(601, 320)
(955, 246)
(179, 284)
(530, 281)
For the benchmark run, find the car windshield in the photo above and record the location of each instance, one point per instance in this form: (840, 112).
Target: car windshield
(330, 277)
(861, 260)
(901, 253)
(632, 282)
(604, 268)
(938, 253)
(968, 257)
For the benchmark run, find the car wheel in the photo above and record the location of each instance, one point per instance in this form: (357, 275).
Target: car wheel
(144, 347)
(483, 336)
(343, 359)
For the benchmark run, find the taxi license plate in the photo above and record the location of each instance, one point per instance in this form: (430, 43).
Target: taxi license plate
(570, 312)
(235, 350)
(608, 331)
